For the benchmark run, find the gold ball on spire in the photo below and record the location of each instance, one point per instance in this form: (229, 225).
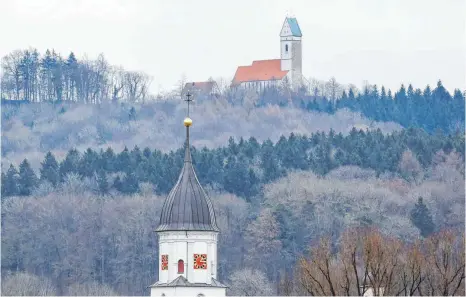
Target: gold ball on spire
(188, 122)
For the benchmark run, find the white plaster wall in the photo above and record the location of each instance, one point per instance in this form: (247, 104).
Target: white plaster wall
(188, 291)
(182, 245)
(296, 63)
(292, 60)
(284, 55)
(260, 84)
(285, 64)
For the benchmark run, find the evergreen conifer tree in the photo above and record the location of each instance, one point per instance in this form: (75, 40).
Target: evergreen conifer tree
(130, 184)
(70, 164)
(89, 163)
(422, 219)
(3, 183)
(10, 184)
(49, 170)
(27, 178)
(123, 161)
(107, 160)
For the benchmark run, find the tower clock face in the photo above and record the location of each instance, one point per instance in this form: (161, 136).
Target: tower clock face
(164, 262)
(200, 261)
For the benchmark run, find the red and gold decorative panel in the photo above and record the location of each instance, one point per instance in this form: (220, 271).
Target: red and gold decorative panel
(200, 261)
(164, 262)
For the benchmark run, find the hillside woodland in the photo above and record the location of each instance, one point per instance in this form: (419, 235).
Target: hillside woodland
(323, 192)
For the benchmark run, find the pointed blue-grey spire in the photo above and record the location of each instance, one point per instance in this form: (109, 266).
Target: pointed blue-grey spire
(187, 207)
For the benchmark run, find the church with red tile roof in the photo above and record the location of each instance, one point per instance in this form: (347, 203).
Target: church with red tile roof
(265, 73)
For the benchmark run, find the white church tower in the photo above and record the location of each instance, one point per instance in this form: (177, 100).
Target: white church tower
(187, 237)
(291, 51)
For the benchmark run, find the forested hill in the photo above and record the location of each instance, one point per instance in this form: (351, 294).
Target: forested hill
(429, 109)
(84, 224)
(28, 76)
(88, 156)
(241, 167)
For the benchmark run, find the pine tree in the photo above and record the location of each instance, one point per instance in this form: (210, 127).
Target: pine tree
(70, 164)
(3, 184)
(49, 170)
(10, 183)
(232, 146)
(27, 178)
(107, 160)
(123, 161)
(117, 184)
(147, 153)
(130, 184)
(422, 219)
(383, 94)
(71, 77)
(89, 163)
(136, 157)
(269, 162)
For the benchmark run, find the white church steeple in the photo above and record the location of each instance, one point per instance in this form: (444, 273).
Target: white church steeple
(187, 237)
(291, 50)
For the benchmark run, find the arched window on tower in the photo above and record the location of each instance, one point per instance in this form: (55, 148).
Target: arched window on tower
(286, 47)
(180, 266)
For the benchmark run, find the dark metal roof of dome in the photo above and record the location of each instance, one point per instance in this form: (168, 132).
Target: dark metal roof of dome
(187, 207)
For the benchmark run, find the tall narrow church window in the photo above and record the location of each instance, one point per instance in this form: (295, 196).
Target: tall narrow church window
(286, 47)
(180, 266)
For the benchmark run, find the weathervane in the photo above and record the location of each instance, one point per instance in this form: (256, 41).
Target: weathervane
(188, 99)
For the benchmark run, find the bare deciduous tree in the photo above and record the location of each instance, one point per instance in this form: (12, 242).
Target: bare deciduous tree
(250, 282)
(445, 264)
(90, 289)
(333, 89)
(117, 81)
(262, 237)
(317, 275)
(136, 86)
(369, 261)
(181, 85)
(249, 101)
(410, 166)
(24, 284)
(11, 65)
(411, 275)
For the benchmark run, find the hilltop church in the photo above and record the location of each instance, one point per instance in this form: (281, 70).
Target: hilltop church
(188, 235)
(264, 73)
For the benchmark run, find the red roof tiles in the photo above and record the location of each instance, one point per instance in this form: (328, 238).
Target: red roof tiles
(260, 71)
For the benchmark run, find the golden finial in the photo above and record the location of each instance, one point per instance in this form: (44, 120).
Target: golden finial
(187, 121)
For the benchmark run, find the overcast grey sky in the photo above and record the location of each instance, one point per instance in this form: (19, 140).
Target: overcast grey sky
(384, 42)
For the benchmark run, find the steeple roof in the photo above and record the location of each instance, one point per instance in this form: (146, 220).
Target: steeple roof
(293, 26)
(295, 30)
(187, 207)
